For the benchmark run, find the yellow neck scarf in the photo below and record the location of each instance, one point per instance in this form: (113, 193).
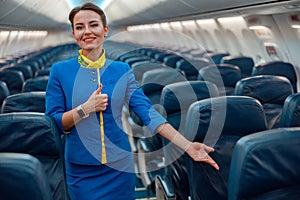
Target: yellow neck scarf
(87, 63)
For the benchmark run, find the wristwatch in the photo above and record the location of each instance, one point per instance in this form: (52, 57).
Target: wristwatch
(81, 112)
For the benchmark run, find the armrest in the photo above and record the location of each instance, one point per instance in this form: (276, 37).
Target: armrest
(164, 189)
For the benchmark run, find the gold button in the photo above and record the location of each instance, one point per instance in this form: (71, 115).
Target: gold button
(94, 80)
(93, 72)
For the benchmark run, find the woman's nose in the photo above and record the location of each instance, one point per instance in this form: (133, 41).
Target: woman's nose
(87, 30)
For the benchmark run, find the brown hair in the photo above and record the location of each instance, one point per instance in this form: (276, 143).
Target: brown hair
(87, 6)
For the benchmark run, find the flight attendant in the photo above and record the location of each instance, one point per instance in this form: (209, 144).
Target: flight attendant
(85, 96)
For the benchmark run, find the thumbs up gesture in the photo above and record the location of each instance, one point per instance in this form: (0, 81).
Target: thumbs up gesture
(97, 102)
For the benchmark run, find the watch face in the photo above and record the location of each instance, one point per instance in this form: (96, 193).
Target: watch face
(80, 113)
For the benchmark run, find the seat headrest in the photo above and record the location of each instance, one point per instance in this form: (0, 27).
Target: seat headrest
(221, 74)
(291, 111)
(29, 132)
(23, 177)
(25, 102)
(178, 97)
(265, 88)
(157, 79)
(224, 115)
(266, 162)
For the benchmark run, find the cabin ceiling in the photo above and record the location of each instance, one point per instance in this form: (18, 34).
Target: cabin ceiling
(53, 14)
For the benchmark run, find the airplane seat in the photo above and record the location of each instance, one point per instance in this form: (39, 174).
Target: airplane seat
(215, 57)
(225, 76)
(171, 60)
(159, 56)
(35, 84)
(43, 72)
(278, 68)
(270, 90)
(265, 166)
(245, 63)
(219, 122)
(36, 134)
(139, 69)
(13, 79)
(176, 99)
(24, 102)
(134, 59)
(25, 69)
(191, 67)
(290, 116)
(23, 177)
(4, 91)
(34, 65)
(152, 84)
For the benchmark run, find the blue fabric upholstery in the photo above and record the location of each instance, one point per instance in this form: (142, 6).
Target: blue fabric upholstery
(35, 84)
(4, 91)
(216, 57)
(36, 134)
(278, 68)
(13, 79)
(23, 177)
(176, 99)
(171, 60)
(245, 63)
(24, 102)
(265, 166)
(219, 122)
(270, 90)
(225, 76)
(191, 67)
(290, 116)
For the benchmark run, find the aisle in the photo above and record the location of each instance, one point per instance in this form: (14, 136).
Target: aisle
(141, 192)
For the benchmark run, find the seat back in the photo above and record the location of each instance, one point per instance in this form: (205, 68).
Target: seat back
(140, 69)
(270, 90)
(176, 99)
(219, 122)
(245, 63)
(278, 68)
(216, 57)
(265, 165)
(4, 91)
(36, 134)
(13, 79)
(191, 67)
(25, 102)
(290, 116)
(23, 177)
(225, 76)
(35, 84)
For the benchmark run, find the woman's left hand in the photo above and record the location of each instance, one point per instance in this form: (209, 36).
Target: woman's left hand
(199, 152)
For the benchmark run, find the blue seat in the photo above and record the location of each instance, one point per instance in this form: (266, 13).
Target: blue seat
(270, 90)
(225, 76)
(23, 177)
(25, 69)
(278, 68)
(4, 91)
(265, 166)
(215, 57)
(36, 134)
(191, 67)
(35, 84)
(13, 79)
(176, 99)
(171, 60)
(139, 69)
(245, 63)
(219, 122)
(290, 116)
(24, 102)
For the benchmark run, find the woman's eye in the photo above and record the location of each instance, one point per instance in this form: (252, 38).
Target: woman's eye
(94, 25)
(78, 27)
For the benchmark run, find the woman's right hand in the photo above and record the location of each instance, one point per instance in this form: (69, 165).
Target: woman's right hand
(97, 102)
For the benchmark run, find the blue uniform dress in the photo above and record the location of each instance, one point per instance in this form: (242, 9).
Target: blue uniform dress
(70, 85)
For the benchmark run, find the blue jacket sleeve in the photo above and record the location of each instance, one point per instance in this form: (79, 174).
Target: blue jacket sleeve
(142, 106)
(55, 98)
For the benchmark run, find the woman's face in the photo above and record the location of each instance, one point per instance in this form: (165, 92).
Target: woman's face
(88, 30)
